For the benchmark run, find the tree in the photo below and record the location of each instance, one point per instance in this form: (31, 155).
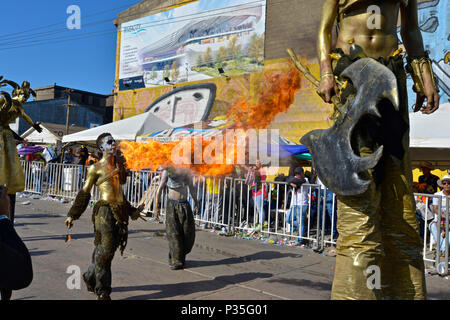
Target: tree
(166, 72)
(234, 50)
(175, 72)
(207, 58)
(256, 48)
(153, 73)
(199, 62)
(221, 57)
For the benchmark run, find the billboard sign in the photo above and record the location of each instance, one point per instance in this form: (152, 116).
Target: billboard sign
(196, 41)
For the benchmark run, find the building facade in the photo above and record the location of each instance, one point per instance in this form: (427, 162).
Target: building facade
(163, 45)
(50, 108)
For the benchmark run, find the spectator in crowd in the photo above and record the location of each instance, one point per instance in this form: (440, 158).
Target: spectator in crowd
(68, 156)
(91, 159)
(444, 183)
(259, 192)
(16, 270)
(298, 213)
(242, 195)
(279, 192)
(420, 208)
(428, 178)
(213, 200)
(37, 170)
(331, 210)
(82, 154)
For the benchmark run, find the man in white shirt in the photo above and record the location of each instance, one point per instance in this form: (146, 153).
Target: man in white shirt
(298, 213)
(331, 207)
(444, 183)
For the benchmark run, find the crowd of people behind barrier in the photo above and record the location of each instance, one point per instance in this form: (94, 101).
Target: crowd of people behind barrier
(297, 205)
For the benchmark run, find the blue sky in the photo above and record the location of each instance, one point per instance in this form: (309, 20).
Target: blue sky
(86, 64)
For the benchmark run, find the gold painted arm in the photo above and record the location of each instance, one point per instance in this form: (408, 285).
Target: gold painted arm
(329, 13)
(91, 179)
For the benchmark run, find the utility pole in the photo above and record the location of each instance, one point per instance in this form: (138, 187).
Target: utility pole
(68, 105)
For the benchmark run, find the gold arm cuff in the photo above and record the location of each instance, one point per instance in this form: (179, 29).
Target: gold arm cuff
(415, 68)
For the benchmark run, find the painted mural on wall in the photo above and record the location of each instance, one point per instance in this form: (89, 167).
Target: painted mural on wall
(434, 23)
(192, 42)
(308, 111)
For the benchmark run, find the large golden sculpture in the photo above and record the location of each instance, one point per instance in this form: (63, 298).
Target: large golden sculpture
(11, 171)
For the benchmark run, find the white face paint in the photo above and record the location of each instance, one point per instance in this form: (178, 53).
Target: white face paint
(109, 144)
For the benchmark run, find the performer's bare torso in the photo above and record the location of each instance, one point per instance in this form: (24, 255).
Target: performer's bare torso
(179, 183)
(376, 42)
(179, 194)
(105, 175)
(176, 193)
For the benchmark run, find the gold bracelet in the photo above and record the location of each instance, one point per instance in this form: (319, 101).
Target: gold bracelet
(327, 74)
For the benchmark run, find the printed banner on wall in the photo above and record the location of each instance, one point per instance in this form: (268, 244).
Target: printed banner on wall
(193, 42)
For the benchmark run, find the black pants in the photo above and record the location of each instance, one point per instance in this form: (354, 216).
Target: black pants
(180, 230)
(98, 274)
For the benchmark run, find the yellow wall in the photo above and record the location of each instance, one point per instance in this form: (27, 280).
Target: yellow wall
(417, 173)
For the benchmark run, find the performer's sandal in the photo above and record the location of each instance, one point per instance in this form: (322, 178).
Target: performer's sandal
(103, 296)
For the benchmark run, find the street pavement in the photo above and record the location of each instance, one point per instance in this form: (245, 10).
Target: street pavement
(218, 268)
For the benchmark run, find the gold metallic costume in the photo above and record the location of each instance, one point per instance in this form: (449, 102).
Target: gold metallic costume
(110, 215)
(379, 227)
(378, 230)
(11, 171)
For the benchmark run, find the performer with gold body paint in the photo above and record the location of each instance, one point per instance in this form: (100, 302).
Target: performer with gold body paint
(378, 230)
(110, 214)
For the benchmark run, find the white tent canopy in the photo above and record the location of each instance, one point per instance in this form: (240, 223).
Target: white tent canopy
(430, 137)
(126, 129)
(431, 131)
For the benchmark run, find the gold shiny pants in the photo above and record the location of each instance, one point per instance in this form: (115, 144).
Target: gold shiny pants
(379, 247)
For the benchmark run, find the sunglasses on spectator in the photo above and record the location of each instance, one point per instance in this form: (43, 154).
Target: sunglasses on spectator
(445, 182)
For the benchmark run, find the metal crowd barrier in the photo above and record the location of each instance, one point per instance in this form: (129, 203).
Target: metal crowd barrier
(434, 229)
(231, 205)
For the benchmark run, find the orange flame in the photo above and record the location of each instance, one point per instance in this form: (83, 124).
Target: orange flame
(277, 95)
(154, 154)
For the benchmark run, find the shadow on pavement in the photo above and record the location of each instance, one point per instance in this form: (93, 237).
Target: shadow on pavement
(35, 215)
(40, 253)
(23, 224)
(304, 283)
(59, 237)
(185, 288)
(263, 255)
